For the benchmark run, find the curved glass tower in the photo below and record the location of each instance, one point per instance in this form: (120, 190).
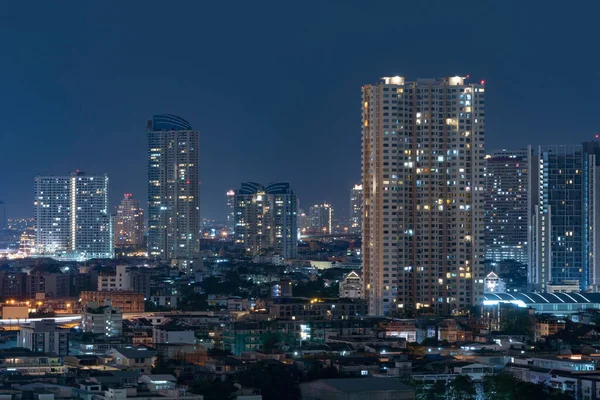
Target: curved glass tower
(173, 188)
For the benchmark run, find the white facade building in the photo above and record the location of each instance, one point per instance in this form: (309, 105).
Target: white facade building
(423, 185)
(352, 286)
(72, 219)
(104, 320)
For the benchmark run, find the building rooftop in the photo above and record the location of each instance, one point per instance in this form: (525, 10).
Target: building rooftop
(363, 385)
(524, 299)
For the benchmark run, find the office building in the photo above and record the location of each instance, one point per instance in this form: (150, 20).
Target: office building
(129, 223)
(356, 209)
(230, 211)
(423, 185)
(266, 219)
(506, 205)
(564, 221)
(173, 188)
(71, 215)
(44, 336)
(321, 218)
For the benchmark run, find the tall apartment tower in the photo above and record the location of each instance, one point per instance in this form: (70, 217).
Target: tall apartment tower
(564, 222)
(129, 222)
(423, 183)
(72, 219)
(321, 218)
(173, 188)
(356, 209)
(266, 218)
(506, 205)
(52, 209)
(230, 210)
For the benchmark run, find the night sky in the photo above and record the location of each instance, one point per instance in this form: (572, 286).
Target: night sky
(273, 87)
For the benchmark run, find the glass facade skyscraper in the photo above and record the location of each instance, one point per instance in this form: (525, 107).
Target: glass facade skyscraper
(173, 188)
(563, 223)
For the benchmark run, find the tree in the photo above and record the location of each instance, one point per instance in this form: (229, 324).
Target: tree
(274, 380)
(214, 390)
(462, 388)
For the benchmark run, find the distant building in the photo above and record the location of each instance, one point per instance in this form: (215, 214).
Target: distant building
(321, 218)
(44, 336)
(102, 320)
(125, 278)
(303, 222)
(51, 284)
(356, 209)
(129, 223)
(352, 286)
(230, 211)
(493, 284)
(507, 205)
(13, 284)
(171, 332)
(282, 288)
(127, 302)
(27, 242)
(72, 219)
(564, 244)
(173, 188)
(266, 219)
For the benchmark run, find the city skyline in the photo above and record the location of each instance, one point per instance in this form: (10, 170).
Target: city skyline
(65, 108)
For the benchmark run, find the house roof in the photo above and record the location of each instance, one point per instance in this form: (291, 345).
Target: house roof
(136, 352)
(362, 385)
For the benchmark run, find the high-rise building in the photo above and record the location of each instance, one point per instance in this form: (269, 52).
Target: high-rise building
(173, 188)
(266, 218)
(356, 209)
(321, 218)
(423, 185)
(564, 244)
(230, 211)
(303, 222)
(129, 223)
(72, 218)
(506, 205)
(52, 214)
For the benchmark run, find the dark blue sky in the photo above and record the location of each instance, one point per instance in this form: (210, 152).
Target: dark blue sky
(273, 87)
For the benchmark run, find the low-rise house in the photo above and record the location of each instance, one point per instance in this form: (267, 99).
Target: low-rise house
(138, 359)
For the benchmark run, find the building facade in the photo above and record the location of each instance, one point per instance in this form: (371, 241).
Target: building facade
(44, 336)
(52, 214)
(423, 185)
(506, 205)
(72, 219)
(321, 218)
(104, 320)
(230, 220)
(129, 223)
(173, 188)
(356, 209)
(563, 222)
(266, 219)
